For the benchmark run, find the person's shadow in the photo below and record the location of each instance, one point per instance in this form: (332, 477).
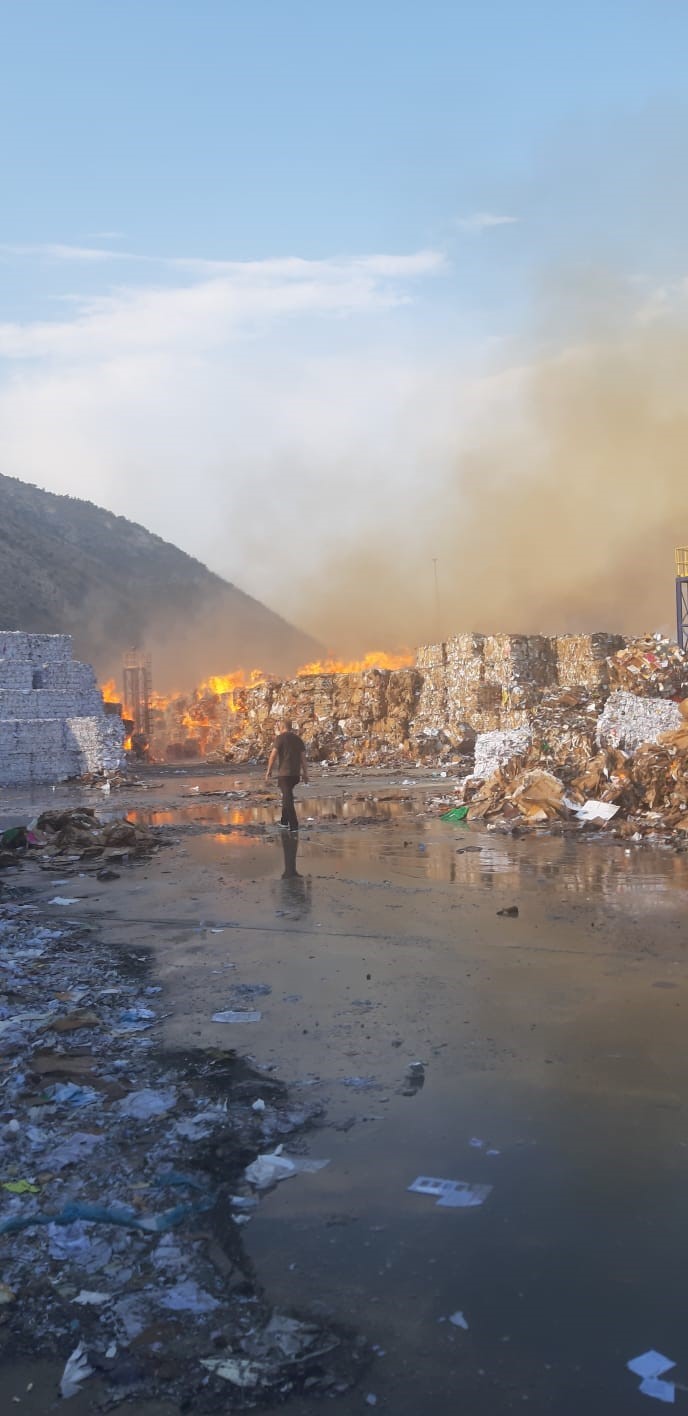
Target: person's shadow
(294, 890)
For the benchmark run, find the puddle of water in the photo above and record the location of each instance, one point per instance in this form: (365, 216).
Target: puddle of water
(552, 1037)
(311, 809)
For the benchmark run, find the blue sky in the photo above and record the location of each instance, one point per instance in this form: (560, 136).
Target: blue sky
(444, 174)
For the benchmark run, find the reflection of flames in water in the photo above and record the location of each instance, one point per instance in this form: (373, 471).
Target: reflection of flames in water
(193, 724)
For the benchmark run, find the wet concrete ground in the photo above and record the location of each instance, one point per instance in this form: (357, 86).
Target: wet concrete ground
(556, 1038)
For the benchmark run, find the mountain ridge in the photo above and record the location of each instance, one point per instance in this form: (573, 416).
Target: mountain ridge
(127, 587)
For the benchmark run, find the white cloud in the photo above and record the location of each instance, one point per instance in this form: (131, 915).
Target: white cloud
(227, 299)
(54, 251)
(483, 221)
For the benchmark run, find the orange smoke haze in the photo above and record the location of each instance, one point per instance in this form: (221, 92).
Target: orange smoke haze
(558, 513)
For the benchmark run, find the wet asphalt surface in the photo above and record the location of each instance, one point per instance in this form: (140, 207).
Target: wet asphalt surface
(556, 1039)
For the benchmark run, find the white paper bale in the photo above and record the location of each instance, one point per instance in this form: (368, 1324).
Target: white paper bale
(628, 720)
(493, 750)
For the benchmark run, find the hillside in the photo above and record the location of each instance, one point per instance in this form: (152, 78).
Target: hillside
(67, 566)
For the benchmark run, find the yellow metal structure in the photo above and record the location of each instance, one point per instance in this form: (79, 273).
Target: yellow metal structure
(681, 554)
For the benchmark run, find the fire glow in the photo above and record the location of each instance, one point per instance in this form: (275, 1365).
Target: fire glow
(193, 724)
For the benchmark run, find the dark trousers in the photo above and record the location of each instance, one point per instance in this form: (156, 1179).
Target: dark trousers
(286, 786)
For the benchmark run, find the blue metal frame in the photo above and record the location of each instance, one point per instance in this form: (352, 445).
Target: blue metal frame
(682, 610)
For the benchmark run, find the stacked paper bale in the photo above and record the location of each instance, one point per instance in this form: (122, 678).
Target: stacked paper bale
(583, 658)
(52, 721)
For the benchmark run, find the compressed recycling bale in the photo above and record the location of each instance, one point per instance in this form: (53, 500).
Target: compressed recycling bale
(495, 749)
(628, 721)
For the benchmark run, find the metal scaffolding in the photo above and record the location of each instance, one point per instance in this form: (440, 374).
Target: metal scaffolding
(138, 683)
(682, 596)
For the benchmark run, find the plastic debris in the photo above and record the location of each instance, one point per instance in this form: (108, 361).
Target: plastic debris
(72, 1094)
(650, 1364)
(511, 912)
(451, 1194)
(64, 900)
(458, 1320)
(188, 1297)
(20, 1187)
(457, 813)
(145, 1104)
(238, 1015)
(272, 1351)
(273, 1166)
(661, 1391)
(89, 1298)
(76, 1371)
(7, 1294)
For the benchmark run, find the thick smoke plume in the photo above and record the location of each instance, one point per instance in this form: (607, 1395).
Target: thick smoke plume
(562, 517)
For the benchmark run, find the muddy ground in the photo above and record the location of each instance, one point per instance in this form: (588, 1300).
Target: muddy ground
(553, 1070)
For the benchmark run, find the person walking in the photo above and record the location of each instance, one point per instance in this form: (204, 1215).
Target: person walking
(289, 752)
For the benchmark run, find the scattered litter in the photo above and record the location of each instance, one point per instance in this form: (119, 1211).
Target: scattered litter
(371, 1399)
(596, 811)
(457, 813)
(661, 1391)
(64, 900)
(88, 1298)
(145, 1104)
(273, 1166)
(650, 1364)
(76, 1371)
(258, 1106)
(269, 1353)
(451, 1194)
(476, 1143)
(71, 1094)
(246, 990)
(511, 912)
(360, 1083)
(7, 1295)
(238, 1015)
(188, 1297)
(20, 1187)
(457, 1320)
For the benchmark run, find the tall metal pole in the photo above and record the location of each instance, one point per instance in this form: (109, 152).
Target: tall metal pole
(438, 622)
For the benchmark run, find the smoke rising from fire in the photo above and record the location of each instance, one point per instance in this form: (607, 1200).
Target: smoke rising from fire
(560, 515)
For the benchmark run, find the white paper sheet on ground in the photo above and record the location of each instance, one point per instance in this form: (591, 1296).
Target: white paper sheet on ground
(463, 1196)
(232, 1015)
(239, 1370)
(650, 1364)
(451, 1194)
(76, 1371)
(596, 811)
(661, 1391)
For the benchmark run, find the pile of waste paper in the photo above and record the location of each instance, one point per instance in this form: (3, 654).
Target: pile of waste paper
(650, 667)
(77, 834)
(643, 791)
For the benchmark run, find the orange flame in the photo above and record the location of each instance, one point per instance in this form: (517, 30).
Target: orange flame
(110, 692)
(377, 659)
